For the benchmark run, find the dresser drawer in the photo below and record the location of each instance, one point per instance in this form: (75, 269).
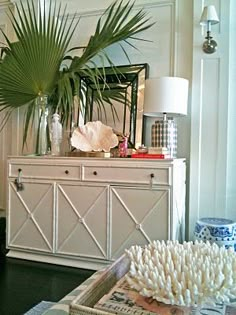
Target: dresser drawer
(113, 174)
(45, 171)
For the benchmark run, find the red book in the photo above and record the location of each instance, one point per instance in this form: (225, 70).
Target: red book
(150, 156)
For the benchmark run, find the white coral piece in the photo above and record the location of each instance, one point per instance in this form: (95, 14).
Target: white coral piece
(188, 274)
(94, 136)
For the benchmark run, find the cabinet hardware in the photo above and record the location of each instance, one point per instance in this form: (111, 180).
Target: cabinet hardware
(18, 181)
(95, 173)
(67, 172)
(151, 180)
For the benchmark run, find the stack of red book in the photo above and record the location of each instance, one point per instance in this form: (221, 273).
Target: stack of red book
(150, 156)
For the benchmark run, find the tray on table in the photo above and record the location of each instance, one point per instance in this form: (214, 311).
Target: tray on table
(83, 304)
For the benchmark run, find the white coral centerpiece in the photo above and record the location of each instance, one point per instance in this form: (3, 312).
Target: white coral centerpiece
(188, 274)
(94, 136)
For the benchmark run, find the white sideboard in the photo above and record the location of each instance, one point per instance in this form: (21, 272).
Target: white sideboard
(84, 212)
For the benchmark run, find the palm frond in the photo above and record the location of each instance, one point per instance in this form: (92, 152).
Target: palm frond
(114, 26)
(33, 65)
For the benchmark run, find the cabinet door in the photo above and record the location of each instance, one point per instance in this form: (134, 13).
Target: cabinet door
(138, 216)
(30, 217)
(82, 220)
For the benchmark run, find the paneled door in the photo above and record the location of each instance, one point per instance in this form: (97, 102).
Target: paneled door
(30, 216)
(138, 216)
(82, 220)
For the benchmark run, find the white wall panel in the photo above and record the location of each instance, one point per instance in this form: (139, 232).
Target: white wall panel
(231, 144)
(209, 129)
(159, 49)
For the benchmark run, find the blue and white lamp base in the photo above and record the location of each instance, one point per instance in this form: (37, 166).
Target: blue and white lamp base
(216, 230)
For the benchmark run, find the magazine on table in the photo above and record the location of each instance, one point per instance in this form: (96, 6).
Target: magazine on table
(124, 300)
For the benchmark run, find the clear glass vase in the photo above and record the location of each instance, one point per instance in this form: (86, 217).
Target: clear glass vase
(42, 142)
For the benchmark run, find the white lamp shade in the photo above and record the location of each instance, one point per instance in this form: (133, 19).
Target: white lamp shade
(209, 15)
(166, 95)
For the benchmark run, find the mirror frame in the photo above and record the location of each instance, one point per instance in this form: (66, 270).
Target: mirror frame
(129, 80)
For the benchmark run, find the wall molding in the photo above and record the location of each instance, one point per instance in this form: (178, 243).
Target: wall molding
(149, 6)
(143, 5)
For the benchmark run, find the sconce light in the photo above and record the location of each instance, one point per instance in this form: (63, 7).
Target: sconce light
(165, 96)
(209, 17)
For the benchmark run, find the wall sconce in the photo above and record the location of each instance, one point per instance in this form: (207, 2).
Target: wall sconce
(209, 17)
(165, 96)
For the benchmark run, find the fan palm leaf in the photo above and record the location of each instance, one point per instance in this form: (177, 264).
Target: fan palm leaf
(32, 66)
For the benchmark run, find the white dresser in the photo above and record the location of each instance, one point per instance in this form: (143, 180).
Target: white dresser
(84, 211)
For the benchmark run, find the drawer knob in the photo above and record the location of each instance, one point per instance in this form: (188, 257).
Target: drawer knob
(138, 226)
(66, 171)
(95, 173)
(151, 175)
(81, 220)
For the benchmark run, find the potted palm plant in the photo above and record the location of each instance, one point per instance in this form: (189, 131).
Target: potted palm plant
(40, 71)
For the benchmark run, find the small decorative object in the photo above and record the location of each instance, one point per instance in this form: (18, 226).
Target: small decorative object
(78, 153)
(123, 146)
(188, 274)
(94, 136)
(142, 149)
(56, 135)
(216, 230)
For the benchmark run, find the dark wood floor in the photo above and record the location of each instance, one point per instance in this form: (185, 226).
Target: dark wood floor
(24, 284)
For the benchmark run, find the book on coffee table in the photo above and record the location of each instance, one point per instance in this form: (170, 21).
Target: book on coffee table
(124, 300)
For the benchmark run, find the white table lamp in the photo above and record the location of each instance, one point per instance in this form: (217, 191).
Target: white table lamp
(166, 97)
